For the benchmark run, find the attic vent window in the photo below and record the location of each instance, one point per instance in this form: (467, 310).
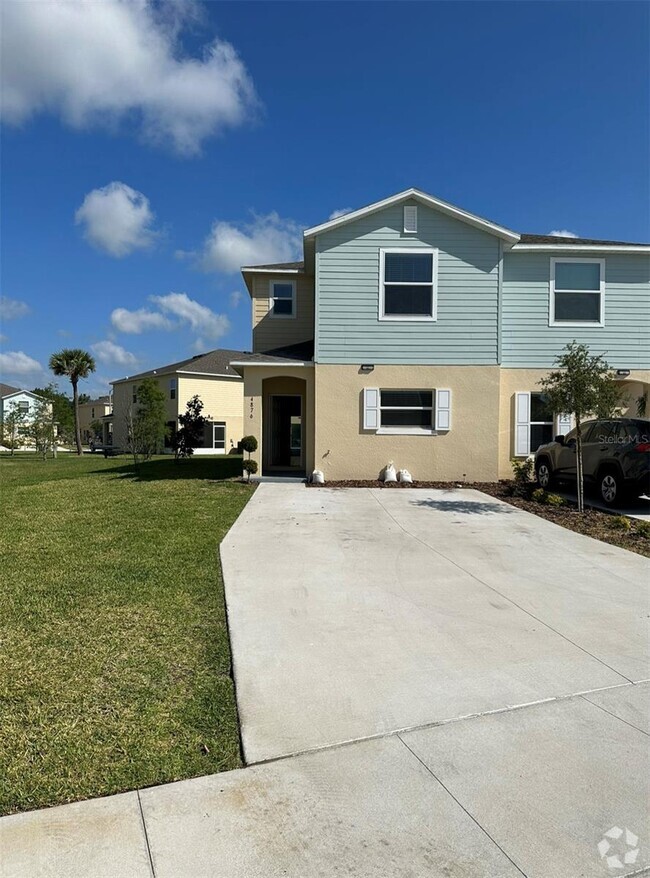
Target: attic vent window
(410, 219)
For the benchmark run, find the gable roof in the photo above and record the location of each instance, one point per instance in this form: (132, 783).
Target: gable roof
(215, 362)
(7, 390)
(436, 203)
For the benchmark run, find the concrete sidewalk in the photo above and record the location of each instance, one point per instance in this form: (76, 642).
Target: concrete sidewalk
(469, 683)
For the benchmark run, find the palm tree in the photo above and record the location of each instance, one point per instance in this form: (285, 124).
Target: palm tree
(76, 364)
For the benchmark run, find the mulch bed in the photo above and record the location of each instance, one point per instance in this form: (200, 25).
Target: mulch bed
(602, 526)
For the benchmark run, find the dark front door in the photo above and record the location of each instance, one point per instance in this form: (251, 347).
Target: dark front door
(285, 440)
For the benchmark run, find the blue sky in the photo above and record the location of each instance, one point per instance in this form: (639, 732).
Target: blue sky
(186, 140)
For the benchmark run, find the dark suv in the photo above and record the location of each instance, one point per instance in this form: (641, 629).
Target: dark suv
(615, 454)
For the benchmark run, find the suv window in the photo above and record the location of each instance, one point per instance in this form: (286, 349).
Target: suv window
(590, 431)
(602, 431)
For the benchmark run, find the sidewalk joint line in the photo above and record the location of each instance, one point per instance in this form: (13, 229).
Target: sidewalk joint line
(460, 805)
(146, 835)
(619, 718)
(496, 591)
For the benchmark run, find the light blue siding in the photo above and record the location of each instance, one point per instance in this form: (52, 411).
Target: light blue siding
(528, 340)
(14, 401)
(347, 293)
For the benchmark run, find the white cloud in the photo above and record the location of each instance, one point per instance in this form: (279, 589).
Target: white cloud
(117, 219)
(11, 309)
(135, 322)
(102, 63)
(563, 233)
(199, 317)
(113, 354)
(18, 363)
(267, 239)
(335, 214)
(235, 298)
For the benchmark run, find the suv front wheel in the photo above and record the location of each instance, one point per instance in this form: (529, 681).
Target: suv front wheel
(610, 486)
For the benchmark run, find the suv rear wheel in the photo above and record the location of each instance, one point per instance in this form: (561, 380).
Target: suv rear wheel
(610, 487)
(544, 473)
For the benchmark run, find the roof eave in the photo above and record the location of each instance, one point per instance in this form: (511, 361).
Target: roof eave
(444, 207)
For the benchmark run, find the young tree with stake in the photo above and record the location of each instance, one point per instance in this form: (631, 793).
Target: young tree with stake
(582, 385)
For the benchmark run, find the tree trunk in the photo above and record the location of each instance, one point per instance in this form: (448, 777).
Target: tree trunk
(75, 405)
(580, 482)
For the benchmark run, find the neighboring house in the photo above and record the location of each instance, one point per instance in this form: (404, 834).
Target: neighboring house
(92, 412)
(417, 332)
(24, 401)
(208, 376)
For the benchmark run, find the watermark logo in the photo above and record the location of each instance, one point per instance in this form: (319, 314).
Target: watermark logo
(618, 848)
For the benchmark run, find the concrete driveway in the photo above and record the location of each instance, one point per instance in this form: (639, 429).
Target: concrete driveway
(354, 613)
(430, 684)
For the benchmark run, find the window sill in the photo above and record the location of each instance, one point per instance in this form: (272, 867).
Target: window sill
(407, 318)
(577, 324)
(406, 431)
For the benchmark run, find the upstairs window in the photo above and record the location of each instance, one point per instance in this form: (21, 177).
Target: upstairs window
(282, 298)
(408, 284)
(23, 405)
(577, 292)
(172, 388)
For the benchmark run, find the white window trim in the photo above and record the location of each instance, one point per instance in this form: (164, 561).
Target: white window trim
(576, 323)
(290, 283)
(434, 285)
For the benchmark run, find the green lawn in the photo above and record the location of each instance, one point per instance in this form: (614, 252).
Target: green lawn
(115, 661)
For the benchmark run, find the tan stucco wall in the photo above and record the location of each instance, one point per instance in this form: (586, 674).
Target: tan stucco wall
(275, 332)
(254, 392)
(223, 400)
(513, 381)
(344, 450)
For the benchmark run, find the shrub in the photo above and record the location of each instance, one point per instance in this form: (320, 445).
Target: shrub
(522, 471)
(555, 500)
(620, 522)
(250, 468)
(248, 444)
(539, 495)
(643, 529)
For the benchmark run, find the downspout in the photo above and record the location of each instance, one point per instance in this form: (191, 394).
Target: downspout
(499, 347)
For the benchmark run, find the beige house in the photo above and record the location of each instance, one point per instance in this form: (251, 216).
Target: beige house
(209, 376)
(92, 413)
(417, 332)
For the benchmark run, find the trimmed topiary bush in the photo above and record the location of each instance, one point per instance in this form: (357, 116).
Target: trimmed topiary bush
(250, 468)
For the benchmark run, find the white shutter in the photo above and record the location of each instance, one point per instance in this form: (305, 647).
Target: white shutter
(370, 408)
(522, 424)
(443, 409)
(563, 424)
(410, 218)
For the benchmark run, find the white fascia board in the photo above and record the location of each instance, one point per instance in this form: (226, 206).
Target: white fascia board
(581, 248)
(206, 374)
(27, 392)
(269, 363)
(272, 270)
(428, 200)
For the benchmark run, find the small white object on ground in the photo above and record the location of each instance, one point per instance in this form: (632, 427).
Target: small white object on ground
(317, 477)
(405, 476)
(389, 472)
